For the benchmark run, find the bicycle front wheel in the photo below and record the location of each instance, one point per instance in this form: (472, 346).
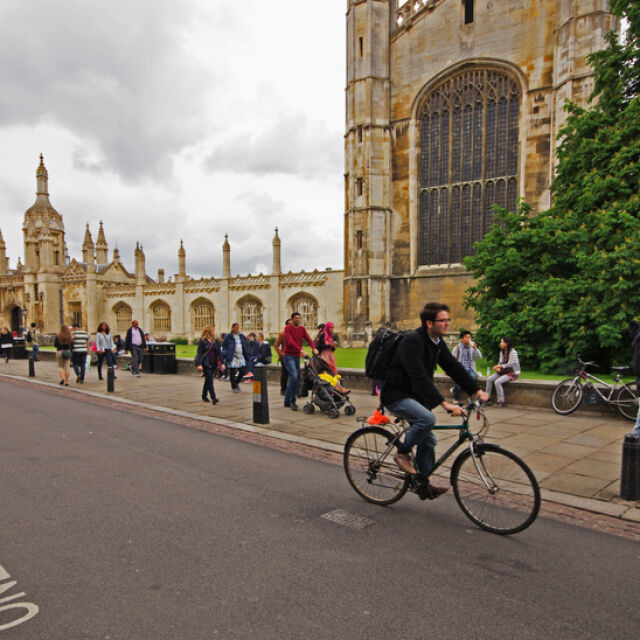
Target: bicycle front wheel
(495, 489)
(370, 471)
(567, 396)
(627, 403)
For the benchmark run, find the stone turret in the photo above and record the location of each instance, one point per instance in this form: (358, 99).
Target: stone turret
(182, 262)
(41, 220)
(226, 258)
(87, 247)
(102, 248)
(277, 268)
(141, 265)
(3, 256)
(116, 255)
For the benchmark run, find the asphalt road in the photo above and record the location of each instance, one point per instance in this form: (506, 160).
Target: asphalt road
(119, 526)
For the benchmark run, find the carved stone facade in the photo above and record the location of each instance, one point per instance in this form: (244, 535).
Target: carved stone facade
(50, 288)
(451, 106)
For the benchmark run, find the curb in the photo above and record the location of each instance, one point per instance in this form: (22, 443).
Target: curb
(629, 511)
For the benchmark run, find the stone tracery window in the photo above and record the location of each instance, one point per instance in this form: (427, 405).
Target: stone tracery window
(202, 314)
(124, 316)
(161, 316)
(307, 307)
(251, 315)
(468, 161)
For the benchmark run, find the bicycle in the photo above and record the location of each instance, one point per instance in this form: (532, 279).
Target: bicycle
(494, 488)
(569, 393)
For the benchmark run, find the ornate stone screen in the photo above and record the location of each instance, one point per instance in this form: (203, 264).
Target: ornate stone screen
(468, 161)
(308, 309)
(202, 314)
(250, 315)
(161, 317)
(124, 316)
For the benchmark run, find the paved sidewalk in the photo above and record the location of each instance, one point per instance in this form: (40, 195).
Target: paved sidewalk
(576, 458)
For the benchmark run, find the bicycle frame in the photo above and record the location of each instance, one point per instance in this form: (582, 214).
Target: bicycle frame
(585, 376)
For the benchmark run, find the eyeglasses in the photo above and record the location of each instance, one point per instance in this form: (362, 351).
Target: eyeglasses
(443, 320)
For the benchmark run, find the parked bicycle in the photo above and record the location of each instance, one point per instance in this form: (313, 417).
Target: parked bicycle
(494, 488)
(568, 395)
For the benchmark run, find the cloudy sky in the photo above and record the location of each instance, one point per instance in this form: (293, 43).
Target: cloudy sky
(178, 119)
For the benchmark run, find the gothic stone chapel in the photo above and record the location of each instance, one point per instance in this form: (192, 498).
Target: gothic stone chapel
(451, 106)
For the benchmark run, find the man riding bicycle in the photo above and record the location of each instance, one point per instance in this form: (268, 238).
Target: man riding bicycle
(410, 393)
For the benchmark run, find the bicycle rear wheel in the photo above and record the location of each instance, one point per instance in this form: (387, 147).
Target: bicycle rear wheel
(495, 489)
(374, 475)
(567, 396)
(627, 403)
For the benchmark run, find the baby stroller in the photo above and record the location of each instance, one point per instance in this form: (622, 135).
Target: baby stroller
(323, 395)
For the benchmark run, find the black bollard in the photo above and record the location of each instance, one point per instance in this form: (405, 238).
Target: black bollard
(260, 397)
(32, 368)
(110, 378)
(630, 474)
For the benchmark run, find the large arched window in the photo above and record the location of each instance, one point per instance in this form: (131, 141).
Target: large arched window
(202, 314)
(124, 315)
(307, 307)
(161, 312)
(250, 315)
(468, 161)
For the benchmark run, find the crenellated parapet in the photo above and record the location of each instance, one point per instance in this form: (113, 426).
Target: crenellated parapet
(119, 291)
(301, 279)
(250, 282)
(202, 285)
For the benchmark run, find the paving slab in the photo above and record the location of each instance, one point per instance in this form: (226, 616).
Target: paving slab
(576, 458)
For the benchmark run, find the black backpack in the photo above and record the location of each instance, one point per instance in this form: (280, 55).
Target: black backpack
(381, 351)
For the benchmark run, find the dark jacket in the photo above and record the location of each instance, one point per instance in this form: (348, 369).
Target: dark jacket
(634, 332)
(412, 368)
(229, 347)
(208, 354)
(320, 342)
(128, 342)
(264, 353)
(6, 338)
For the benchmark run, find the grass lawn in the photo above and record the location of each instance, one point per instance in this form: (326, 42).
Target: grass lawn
(353, 358)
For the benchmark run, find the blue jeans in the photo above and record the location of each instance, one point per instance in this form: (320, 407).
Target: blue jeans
(636, 428)
(420, 433)
(34, 352)
(292, 365)
(457, 388)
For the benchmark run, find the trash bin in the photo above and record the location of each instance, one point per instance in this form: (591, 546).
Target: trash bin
(19, 349)
(164, 357)
(147, 360)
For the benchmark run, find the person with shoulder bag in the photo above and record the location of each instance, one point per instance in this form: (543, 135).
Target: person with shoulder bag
(63, 344)
(208, 360)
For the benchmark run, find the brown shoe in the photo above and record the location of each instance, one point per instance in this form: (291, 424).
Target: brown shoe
(403, 460)
(428, 491)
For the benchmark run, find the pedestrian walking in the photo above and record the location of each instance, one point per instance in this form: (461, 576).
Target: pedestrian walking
(80, 346)
(327, 343)
(136, 345)
(6, 343)
(64, 351)
(252, 348)
(32, 337)
(236, 353)
(294, 334)
(507, 369)
(208, 361)
(466, 352)
(105, 347)
(264, 350)
(279, 346)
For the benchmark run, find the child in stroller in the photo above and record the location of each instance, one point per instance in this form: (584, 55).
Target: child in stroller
(317, 378)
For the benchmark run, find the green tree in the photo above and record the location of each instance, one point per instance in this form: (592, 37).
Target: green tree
(567, 280)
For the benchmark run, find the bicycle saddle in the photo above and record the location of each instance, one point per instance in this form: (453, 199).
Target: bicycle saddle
(619, 368)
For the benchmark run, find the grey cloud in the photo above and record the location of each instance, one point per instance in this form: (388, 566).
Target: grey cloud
(119, 73)
(291, 145)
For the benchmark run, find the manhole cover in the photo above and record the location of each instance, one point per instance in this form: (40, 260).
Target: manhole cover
(346, 519)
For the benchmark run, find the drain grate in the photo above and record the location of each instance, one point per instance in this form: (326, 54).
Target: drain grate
(346, 519)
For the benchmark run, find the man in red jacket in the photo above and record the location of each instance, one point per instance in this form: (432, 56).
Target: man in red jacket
(294, 334)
